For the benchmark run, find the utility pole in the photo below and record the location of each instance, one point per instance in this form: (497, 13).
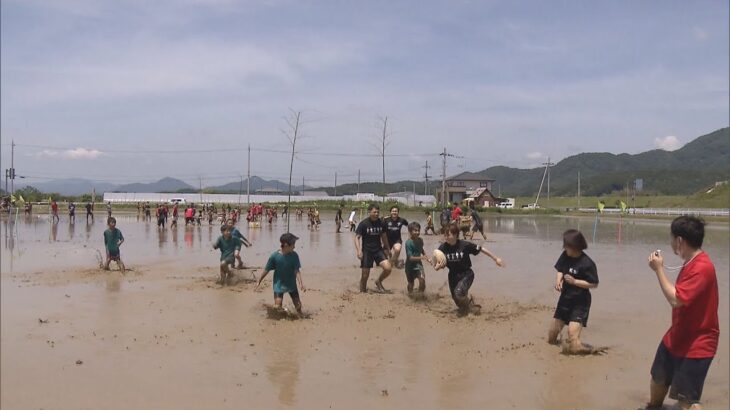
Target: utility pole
(385, 134)
(12, 168)
(335, 184)
(548, 164)
(358, 182)
(578, 189)
(302, 184)
(240, 188)
(443, 176)
(200, 179)
(425, 189)
(248, 180)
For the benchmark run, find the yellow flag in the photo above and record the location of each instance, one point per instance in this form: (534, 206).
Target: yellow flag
(12, 198)
(20, 199)
(600, 206)
(623, 206)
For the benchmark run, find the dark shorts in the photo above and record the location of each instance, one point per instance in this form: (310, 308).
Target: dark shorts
(571, 310)
(113, 255)
(229, 260)
(369, 257)
(459, 284)
(413, 274)
(293, 294)
(685, 376)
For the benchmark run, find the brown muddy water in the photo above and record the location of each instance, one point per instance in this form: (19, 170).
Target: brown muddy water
(165, 336)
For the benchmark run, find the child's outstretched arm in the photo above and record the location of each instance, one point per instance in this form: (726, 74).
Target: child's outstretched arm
(299, 280)
(261, 279)
(497, 260)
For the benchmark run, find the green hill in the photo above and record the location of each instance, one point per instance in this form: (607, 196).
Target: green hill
(700, 163)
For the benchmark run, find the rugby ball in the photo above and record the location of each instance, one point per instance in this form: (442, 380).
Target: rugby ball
(439, 259)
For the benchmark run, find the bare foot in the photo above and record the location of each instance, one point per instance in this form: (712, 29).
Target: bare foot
(379, 286)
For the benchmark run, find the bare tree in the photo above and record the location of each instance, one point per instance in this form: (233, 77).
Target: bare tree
(383, 142)
(293, 122)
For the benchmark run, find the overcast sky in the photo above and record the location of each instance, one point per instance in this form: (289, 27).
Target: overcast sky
(129, 90)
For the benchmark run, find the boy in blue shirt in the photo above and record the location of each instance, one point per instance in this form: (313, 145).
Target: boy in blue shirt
(287, 272)
(236, 234)
(228, 246)
(113, 238)
(415, 257)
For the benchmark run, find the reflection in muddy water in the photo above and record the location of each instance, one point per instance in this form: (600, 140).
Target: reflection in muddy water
(114, 282)
(282, 358)
(71, 230)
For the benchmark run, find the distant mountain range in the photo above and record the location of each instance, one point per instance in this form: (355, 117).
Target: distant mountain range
(698, 164)
(83, 186)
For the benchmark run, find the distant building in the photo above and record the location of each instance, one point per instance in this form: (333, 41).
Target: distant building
(469, 185)
(315, 193)
(269, 191)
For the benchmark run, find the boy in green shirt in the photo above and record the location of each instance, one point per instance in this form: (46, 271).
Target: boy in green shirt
(228, 246)
(414, 258)
(287, 272)
(113, 238)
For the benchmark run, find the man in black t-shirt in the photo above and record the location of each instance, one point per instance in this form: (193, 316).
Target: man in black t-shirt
(393, 224)
(372, 233)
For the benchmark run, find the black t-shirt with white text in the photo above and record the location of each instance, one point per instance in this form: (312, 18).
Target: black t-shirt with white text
(370, 232)
(581, 268)
(394, 226)
(457, 255)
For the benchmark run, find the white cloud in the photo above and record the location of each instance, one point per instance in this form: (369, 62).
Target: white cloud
(534, 155)
(668, 143)
(699, 34)
(76, 153)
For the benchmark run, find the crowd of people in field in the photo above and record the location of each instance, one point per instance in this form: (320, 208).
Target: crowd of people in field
(683, 356)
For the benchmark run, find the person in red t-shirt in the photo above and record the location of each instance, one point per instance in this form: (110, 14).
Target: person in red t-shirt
(456, 212)
(687, 349)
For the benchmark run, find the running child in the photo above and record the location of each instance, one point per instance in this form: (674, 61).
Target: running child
(352, 221)
(113, 239)
(371, 246)
(478, 224)
(338, 218)
(242, 239)
(394, 223)
(287, 272)
(89, 212)
(576, 274)
(71, 212)
(228, 246)
(54, 212)
(429, 224)
(414, 258)
(461, 276)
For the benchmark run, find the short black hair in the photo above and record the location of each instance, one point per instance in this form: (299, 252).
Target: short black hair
(288, 238)
(373, 206)
(395, 207)
(225, 228)
(414, 226)
(690, 228)
(111, 219)
(574, 239)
